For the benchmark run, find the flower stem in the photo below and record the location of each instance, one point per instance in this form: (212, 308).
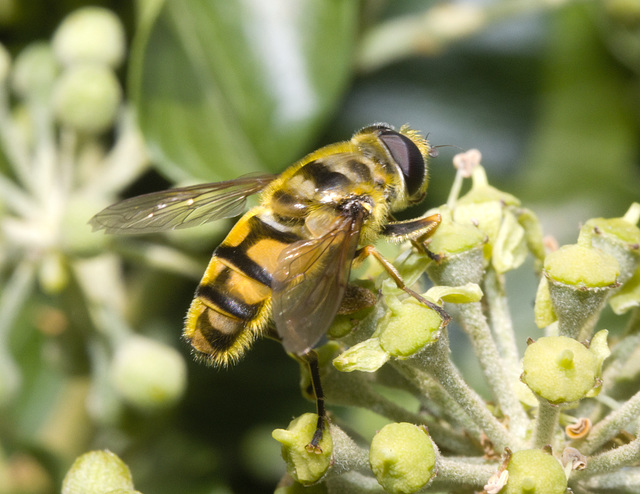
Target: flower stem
(475, 325)
(612, 459)
(546, 424)
(452, 474)
(502, 326)
(436, 361)
(611, 425)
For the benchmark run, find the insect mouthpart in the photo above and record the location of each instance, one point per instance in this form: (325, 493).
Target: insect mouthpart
(357, 205)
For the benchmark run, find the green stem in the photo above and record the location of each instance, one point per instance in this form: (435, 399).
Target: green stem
(475, 325)
(502, 326)
(433, 392)
(611, 425)
(454, 474)
(435, 360)
(354, 389)
(546, 424)
(612, 459)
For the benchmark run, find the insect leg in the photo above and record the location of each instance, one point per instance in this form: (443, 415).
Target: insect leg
(370, 250)
(311, 359)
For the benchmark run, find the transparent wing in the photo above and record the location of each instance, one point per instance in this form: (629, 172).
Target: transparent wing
(309, 284)
(182, 207)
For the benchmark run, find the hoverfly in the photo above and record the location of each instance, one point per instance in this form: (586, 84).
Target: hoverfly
(288, 260)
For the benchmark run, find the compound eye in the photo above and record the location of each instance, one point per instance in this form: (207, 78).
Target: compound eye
(408, 157)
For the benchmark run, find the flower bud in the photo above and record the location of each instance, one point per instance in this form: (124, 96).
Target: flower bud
(86, 98)
(460, 249)
(402, 458)
(561, 370)
(579, 281)
(97, 472)
(53, 275)
(407, 327)
(629, 295)
(90, 35)
(34, 72)
(533, 471)
(619, 237)
(147, 374)
(304, 466)
(366, 356)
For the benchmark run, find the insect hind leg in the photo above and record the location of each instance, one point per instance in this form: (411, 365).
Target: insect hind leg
(310, 358)
(370, 250)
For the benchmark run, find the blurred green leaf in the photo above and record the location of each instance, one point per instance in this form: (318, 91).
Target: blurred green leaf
(225, 88)
(584, 142)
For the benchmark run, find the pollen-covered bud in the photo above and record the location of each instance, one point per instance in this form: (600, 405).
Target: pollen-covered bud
(402, 458)
(459, 248)
(619, 237)
(304, 466)
(147, 374)
(579, 279)
(534, 471)
(90, 35)
(86, 98)
(97, 472)
(562, 370)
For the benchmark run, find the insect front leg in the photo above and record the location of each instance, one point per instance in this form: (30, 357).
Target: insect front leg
(370, 250)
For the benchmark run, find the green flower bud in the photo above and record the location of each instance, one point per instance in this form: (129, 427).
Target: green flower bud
(97, 472)
(34, 72)
(560, 369)
(579, 281)
(629, 295)
(147, 374)
(86, 98)
(77, 237)
(460, 249)
(407, 327)
(465, 294)
(582, 267)
(510, 246)
(53, 275)
(402, 457)
(533, 471)
(619, 237)
(453, 237)
(366, 356)
(304, 466)
(533, 232)
(543, 309)
(90, 35)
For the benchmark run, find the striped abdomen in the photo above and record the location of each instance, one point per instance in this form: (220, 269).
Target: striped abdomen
(232, 303)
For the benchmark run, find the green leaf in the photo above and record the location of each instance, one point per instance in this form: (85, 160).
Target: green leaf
(224, 88)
